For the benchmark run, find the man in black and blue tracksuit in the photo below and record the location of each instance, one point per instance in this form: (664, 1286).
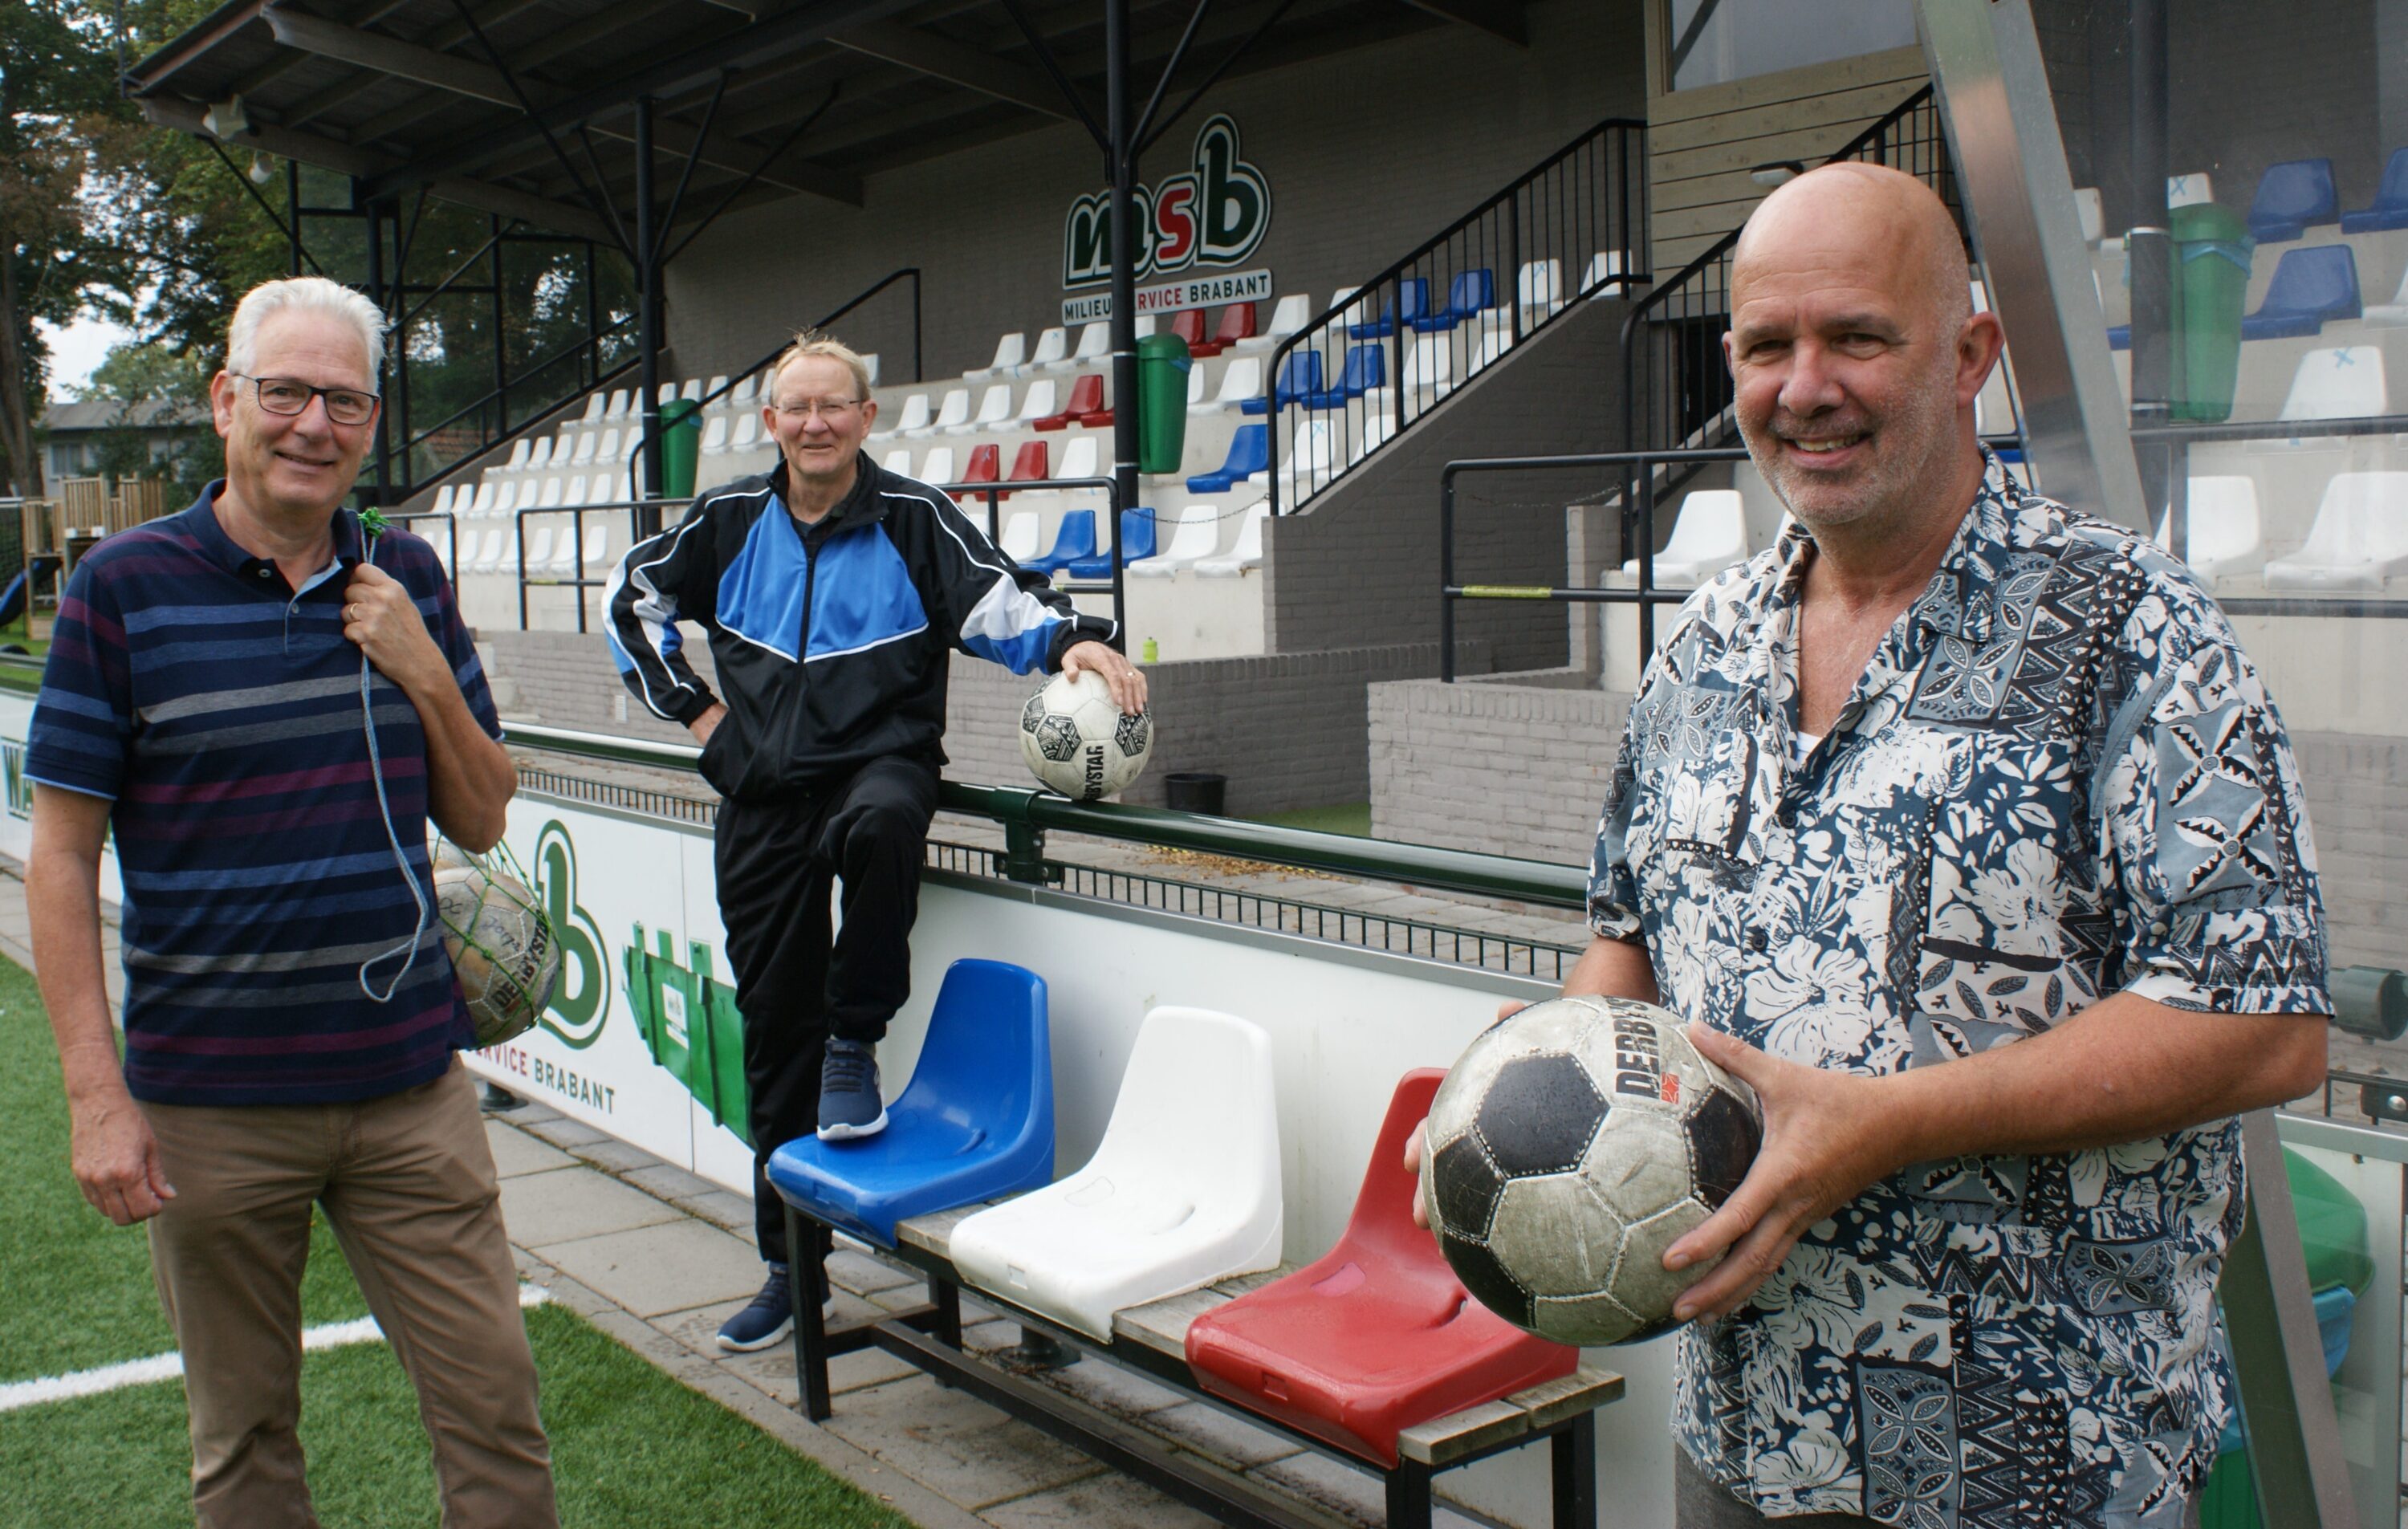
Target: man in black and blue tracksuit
(834, 594)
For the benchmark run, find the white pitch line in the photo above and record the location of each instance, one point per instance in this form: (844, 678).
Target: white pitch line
(145, 1372)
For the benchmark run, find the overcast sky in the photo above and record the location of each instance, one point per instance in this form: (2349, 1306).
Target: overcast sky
(75, 350)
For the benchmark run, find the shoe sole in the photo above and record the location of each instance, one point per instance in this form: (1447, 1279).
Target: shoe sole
(853, 1133)
(776, 1334)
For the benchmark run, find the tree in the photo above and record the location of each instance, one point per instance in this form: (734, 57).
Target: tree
(152, 385)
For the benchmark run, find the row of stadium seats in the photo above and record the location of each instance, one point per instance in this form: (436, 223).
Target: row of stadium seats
(1184, 1191)
(2291, 198)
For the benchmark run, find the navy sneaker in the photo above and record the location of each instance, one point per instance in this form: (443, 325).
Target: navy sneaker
(850, 1106)
(770, 1318)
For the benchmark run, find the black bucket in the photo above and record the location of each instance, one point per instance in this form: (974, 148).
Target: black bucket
(1196, 791)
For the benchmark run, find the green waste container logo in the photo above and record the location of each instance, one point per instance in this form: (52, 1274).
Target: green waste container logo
(689, 1022)
(582, 1001)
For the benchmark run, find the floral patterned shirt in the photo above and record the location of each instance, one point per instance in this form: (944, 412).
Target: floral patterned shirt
(2058, 777)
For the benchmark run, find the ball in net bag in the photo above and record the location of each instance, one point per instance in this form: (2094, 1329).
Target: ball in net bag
(1572, 1144)
(502, 947)
(1078, 742)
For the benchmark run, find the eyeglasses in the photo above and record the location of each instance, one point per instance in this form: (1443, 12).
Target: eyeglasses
(831, 409)
(288, 395)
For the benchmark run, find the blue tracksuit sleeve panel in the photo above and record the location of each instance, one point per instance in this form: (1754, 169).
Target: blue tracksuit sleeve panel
(991, 608)
(663, 581)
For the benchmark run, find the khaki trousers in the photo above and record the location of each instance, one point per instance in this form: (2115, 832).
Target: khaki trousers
(407, 1185)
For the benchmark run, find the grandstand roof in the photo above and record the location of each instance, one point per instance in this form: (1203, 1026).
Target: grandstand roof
(525, 106)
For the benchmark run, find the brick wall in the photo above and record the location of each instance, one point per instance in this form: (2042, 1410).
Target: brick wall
(1286, 730)
(1368, 151)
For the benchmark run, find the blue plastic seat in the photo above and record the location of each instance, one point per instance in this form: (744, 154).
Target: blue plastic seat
(1367, 367)
(1469, 296)
(1299, 374)
(1250, 452)
(1412, 298)
(1137, 541)
(1074, 540)
(975, 1124)
(2390, 208)
(2293, 197)
(2311, 288)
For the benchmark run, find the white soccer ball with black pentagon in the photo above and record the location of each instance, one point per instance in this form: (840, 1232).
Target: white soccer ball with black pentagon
(1570, 1145)
(1078, 742)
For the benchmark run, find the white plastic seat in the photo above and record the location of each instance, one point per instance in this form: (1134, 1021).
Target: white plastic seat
(575, 494)
(690, 390)
(2226, 535)
(1196, 398)
(1288, 315)
(1019, 538)
(598, 544)
(550, 496)
(508, 500)
(666, 393)
(1245, 552)
(995, 410)
(619, 404)
(2183, 191)
(1052, 345)
(1378, 430)
(1604, 271)
(1538, 290)
(540, 458)
(870, 364)
(1077, 458)
(938, 467)
(489, 556)
(594, 404)
(1492, 349)
(716, 387)
(1094, 349)
(2091, 212)
(714, 435)
(1430, 366)
(2359, 537)
(2390, 315)
(1184, 1191)
(1195, 536)
(1037, 404)
(1709, 536)
(747, 395)
(538, 551)
(519, 449)
(564, 552)
(609, 451)
(1242, 379)
(898, 461)
(586, 441)
(953, 416)
(912, 420)
(442, 504)
(748, 432)
(482, 504)
(1009, 352)
(2340, 382)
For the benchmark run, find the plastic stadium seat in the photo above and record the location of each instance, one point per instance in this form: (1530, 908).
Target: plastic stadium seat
(2184, 190)
(540, 457)
(520, 449)
(1144, 325)
(995, 410)
(1033, 462)
(1429, 366)
(1095, 348)
(899, 462)
(489, 556)
(2390, 206)
(1312, 460)
(619, 404)
(506, 501)
(1709, 536)
(985, 465)
(691, 391)
(1052, 344)
(938, 467)
(538, 551)
(1073, 540)
(2091, 212)
(1184, 1191)
(2345, 383)
(482, 504)
(1009, 352)
(1019, 538)
(594, 404)
(1087, 405)
(510, 558)
(1377, 1335)
(1300, 376)
(1137, 541)
(1539, 289)
(2391, 315)
(1196, 391)
(2311, 287)
(608, 449)
(1242, 379)
(870, 364)
(2226, 536)
(914, 420)
(747, 393)
(1378, 428)
(442, 504)
(748, 433)
(550, 497)
(575, 495)
(1079, 457)
(1412, 298)
(1250, 452)
(1367, 367)
(1237, 323)
(1243, 553)
(1604, 270)
(1188, 325)
(952, 415)
(2293, 197)
(1493, 347)
(1290, 314)
(714, 435)
(1037, 404)
(1470, 294)
(586, 441)
(597, 545)
(2359, 537)
(1198, 533)
(718, 387)
(976, 1120)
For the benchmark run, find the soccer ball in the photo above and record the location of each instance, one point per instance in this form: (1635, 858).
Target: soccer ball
(502, 947)
(1078, 742)
(1572, 1144)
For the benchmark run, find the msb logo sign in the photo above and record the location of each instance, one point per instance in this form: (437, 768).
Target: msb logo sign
(1214, 213)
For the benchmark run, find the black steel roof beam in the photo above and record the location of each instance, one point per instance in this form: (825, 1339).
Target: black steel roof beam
(796, 28)
(1138, 133)
(598, 200)
(685, 176)
(1271, 18)
(1502, 19)
(440, 40)
(1071, 92)
(741, 186)
(534, 55)
(264, 205)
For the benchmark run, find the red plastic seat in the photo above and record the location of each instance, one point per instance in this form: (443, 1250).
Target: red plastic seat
(1032, 463)
(1188, 325)
(986, 467)
(1237, 323)
(1087, 406)
(1378, 1334)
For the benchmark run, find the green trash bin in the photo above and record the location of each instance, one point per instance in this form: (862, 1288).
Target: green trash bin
(2211, 252)
(681, 447)
(1162, 364)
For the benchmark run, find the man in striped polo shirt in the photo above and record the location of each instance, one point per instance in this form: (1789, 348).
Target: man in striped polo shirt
(266, 705)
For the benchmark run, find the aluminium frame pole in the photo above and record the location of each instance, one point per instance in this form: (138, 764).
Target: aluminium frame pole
(647, 310)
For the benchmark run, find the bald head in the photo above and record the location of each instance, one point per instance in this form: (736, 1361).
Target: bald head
(1854, 348)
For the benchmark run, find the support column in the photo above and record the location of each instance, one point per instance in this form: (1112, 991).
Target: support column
(648, 308)
(2150, 246)
(374, 224)
(1122, 155)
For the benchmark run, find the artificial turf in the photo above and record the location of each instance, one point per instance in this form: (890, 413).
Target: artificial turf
(630, 1447)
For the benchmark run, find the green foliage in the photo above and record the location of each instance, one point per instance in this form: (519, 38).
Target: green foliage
(144, 382)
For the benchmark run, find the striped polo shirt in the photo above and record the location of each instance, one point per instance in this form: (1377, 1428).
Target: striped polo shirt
(220, 710)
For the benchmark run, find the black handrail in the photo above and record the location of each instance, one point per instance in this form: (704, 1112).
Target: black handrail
(540, 419)
(1556, 224)
(993, 493)
(873, 290)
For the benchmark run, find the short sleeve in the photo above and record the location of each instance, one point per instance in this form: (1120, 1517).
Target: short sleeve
(82, 729)
(2203, 815)
(1613, 891)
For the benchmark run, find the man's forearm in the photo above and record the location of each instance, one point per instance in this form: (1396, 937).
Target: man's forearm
(63, 904)
(1615, 969)
(469, 778)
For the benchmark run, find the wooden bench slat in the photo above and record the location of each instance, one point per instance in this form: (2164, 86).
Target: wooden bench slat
(934, 1231)
(1162, 1325)
(1468, 1432)
(1556, 1401)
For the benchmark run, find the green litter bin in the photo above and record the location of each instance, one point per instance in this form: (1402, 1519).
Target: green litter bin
(2211, 287)
(1162, 364)
(681, 447)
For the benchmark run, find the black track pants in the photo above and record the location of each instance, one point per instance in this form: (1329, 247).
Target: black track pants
(793, 986)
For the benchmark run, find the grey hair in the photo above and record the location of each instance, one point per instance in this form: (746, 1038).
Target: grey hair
(810, 342)
(303, 293)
